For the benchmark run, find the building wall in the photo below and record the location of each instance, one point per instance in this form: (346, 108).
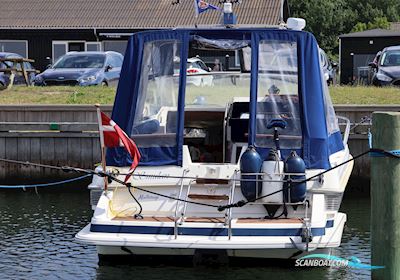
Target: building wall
(40, 41)
(40, 44)
(351, 47)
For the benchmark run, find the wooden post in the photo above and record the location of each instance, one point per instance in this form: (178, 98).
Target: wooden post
(27, 82)
(385, 197)
(12, 76)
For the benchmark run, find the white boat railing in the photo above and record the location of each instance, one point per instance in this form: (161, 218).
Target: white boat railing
(178, 202)
(231, 197)
(181, 219)
(347, 129)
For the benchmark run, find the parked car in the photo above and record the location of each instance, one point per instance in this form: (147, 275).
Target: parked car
(198, 73)
(19, 78)
(328, 67)
(83, 69)
(372, 67)
(387, 67)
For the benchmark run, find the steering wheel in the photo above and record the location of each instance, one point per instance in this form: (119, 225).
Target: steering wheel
(277, 123)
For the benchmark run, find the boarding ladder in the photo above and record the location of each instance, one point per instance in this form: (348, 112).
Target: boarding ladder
(181, 208)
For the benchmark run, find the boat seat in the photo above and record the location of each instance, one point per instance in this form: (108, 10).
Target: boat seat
(148, 126)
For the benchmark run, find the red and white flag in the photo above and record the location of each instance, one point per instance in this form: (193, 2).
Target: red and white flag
(111, 135)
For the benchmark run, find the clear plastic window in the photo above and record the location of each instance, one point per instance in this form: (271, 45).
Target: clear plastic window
(216, 87)
(331, 119)
(156, 109)
(278, 101)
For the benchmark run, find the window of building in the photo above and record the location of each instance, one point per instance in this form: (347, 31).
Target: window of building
(59, 49)
(62, 47)
(116, 46)
(93, 46)
(14, 46)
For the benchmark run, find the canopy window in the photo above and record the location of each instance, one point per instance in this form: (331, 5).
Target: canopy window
(208, 86)
(155, 121)
(278, 97)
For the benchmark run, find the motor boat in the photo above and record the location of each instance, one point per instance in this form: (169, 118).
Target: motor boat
(242, 167)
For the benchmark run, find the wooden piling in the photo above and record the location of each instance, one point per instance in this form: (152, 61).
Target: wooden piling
(385, 197)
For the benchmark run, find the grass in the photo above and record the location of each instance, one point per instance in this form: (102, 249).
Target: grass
(106, 95)
(58, 95)
(365, 95)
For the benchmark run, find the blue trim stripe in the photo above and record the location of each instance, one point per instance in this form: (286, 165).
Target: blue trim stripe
(207, 231)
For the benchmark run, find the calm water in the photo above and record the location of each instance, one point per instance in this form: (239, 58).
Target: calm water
(37, 242)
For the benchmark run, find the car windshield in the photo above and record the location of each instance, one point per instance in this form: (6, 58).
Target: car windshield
(197, 65)
(80, 61)
(391, 58)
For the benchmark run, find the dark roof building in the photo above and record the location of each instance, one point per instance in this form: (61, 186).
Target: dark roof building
(358, 49)
(125, 14)
(50, 28)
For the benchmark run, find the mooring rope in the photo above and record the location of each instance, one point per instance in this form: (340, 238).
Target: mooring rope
(240, 203)
(45, 184)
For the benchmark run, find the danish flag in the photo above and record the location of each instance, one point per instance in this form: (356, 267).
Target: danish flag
(114, 136)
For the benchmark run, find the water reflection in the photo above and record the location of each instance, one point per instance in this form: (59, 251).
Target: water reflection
(37, 242)
(37, 236)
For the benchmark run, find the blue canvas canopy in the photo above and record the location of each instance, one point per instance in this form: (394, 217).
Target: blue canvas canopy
(318, 140)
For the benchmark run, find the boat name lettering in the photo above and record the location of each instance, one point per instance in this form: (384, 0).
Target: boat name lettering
(148, 197)
(152, 176)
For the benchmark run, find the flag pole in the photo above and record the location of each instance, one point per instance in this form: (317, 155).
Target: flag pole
(102, 146)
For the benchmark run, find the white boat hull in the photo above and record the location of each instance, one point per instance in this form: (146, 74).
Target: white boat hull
(237, 246)
(249, 253)
(176, 228)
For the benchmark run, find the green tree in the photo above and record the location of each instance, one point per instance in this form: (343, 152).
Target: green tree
(368, 10)
(379, 22)
(327, 19)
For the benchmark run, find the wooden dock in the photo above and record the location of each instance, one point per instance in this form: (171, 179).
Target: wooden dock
(67, 135)
(48, 134)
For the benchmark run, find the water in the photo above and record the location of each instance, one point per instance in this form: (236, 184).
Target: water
(37, 242)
